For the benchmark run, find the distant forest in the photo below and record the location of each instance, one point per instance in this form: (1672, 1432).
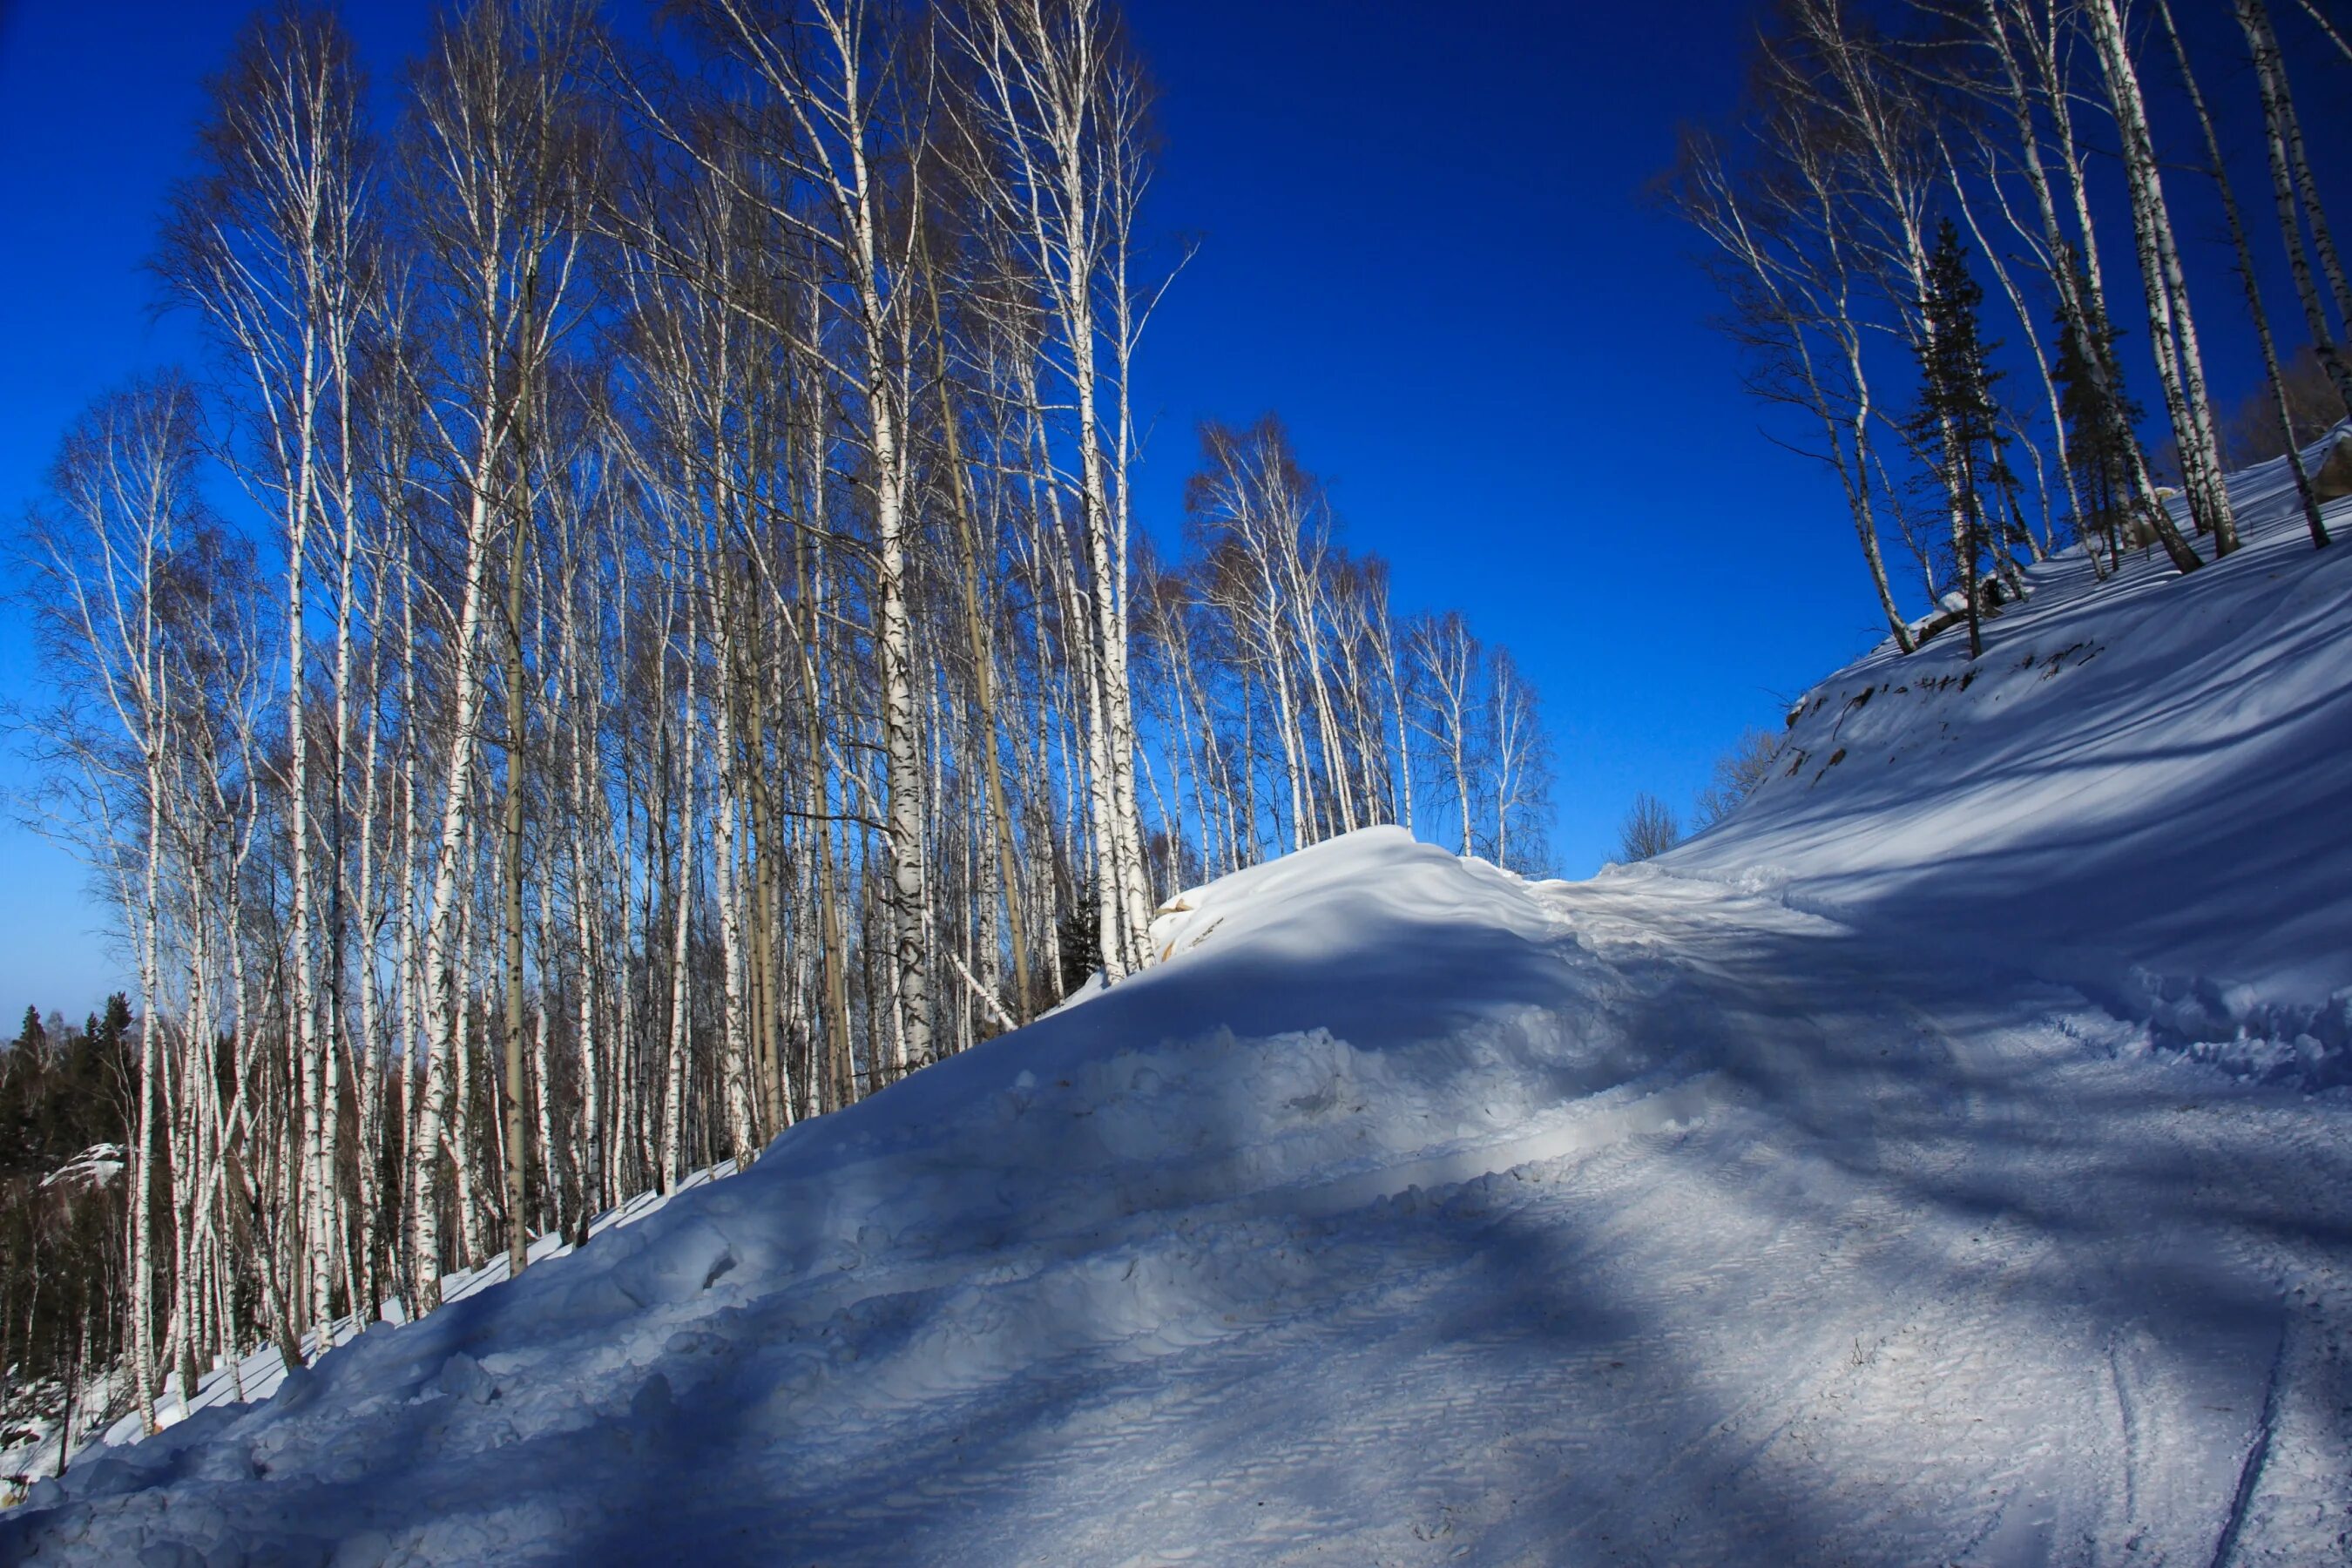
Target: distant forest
(66, 1096)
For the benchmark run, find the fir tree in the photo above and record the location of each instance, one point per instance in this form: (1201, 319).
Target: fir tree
(2099, 423)
(1956, 415)
(1077, 938)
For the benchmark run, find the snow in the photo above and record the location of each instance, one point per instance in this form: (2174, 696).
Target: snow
(95, 1166)
(2139, 789)
(1934, 1162)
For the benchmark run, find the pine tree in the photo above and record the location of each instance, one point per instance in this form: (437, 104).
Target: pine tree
(1956, 416)
(2099, 423)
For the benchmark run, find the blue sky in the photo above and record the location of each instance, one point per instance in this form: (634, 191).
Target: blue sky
(1423, 244)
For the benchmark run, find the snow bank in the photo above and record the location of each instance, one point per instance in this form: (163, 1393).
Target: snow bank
(2139, 788)
(1332, 1027)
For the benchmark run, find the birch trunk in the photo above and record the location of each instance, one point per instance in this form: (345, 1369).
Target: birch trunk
(2278, 104)
(674, 1155)
(2219, 169)
(2277, 116)
(444, 1006)
(2173, 332)
(2092, 310)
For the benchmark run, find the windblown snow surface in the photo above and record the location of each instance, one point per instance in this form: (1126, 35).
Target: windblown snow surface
(1946, 1160)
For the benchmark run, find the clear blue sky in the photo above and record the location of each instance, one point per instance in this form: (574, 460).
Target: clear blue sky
(1423, 244)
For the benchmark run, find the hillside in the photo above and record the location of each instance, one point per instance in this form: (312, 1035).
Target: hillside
(1934, 1162)
(2138, 790)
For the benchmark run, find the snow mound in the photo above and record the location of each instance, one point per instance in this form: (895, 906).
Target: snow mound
(1367, 1016)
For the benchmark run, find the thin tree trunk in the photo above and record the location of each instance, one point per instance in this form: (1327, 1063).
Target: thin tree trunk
(674, 1154)
(2269, 68)
(2173, 332)
(2092, 310)
(444, 1009)
(982, 664)
(2278, 117)
(518, 1159)
(2246, 277)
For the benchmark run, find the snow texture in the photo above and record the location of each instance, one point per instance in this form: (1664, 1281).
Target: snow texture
(1935, 1163)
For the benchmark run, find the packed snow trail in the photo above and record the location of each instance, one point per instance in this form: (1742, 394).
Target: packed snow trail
(1782, 1201)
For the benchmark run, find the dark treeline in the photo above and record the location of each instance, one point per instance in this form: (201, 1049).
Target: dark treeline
(639, 633)
(1953, 236)
(66, 1094)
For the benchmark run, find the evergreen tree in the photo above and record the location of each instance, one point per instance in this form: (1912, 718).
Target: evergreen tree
(2099, 423)
(1077, 939)
(65, 1093)
(1956, 416)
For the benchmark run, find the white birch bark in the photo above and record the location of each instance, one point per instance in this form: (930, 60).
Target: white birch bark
(2218, 168)
(2084, 301)
(674, 1154)
(2286, 185)
(2172, 332)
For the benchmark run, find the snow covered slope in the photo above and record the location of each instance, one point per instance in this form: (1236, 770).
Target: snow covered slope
(2145, 785)
(1813, 1196)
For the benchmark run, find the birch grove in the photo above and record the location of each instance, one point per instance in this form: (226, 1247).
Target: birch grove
(673, 646)
(2040, 128)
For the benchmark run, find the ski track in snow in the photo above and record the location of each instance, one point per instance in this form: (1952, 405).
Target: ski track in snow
(1414, 1213)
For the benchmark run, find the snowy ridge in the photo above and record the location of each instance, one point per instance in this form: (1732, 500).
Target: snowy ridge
(1823, 1193)
(1122, 1180)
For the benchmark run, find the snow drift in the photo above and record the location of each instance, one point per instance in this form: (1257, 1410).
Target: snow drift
(1835, 1189)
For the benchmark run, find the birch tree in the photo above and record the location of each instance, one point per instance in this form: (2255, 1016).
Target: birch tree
(710, 648)
(2172, 331)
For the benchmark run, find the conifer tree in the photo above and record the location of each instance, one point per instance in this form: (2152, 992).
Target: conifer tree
(1957, 417)
(2099, 419)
